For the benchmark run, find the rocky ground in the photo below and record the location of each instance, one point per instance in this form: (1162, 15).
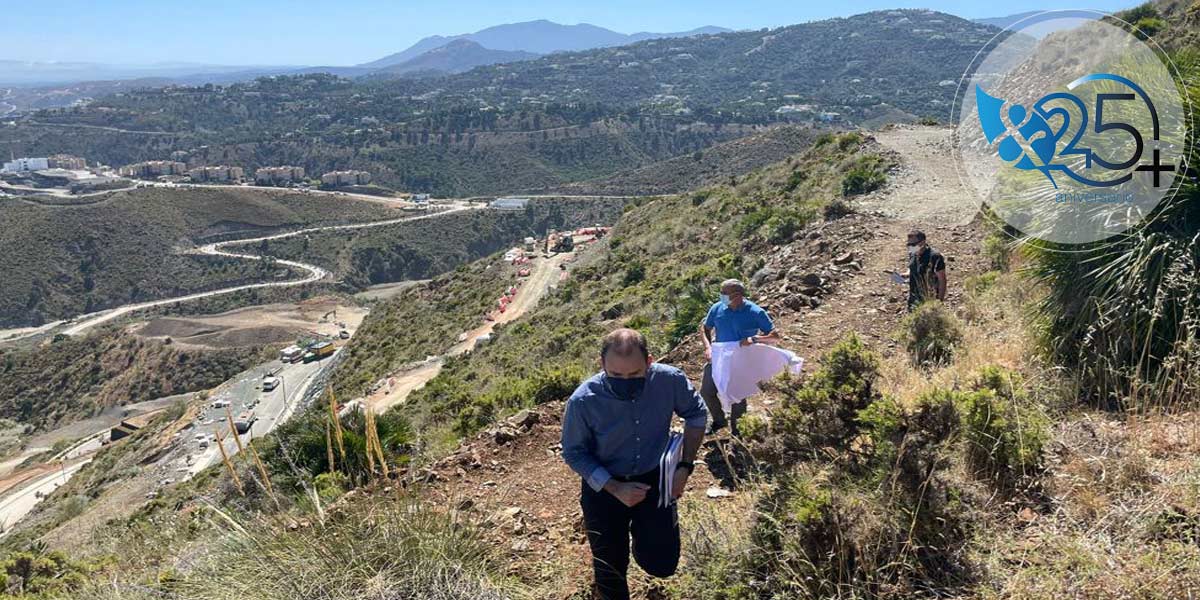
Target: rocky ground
(830, 281)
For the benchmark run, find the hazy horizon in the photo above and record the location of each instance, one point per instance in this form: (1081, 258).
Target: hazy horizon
(273, 32)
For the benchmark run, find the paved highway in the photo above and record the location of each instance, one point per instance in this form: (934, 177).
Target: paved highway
(15, 506)
(245, 393)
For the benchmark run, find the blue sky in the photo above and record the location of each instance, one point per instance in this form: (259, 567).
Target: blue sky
(309, 32)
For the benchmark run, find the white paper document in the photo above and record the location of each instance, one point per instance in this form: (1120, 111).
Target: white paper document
(737, 370)
(667, 464)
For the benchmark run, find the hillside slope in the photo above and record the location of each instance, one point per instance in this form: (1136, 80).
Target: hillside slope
(63, 261)
(455, 57)
(536, 37)
(538, 123)
(710, 166)
(75, 378)
(431, 247)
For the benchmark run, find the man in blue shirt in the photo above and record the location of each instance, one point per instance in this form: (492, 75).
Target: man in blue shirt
(615, 429)
(732, 319)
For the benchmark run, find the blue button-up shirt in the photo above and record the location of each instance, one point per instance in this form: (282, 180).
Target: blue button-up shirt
(603, 435)
(736, 325)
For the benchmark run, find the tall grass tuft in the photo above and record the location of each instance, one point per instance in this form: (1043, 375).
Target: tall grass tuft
(1125, 313)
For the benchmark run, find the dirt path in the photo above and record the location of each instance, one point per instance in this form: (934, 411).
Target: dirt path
(926, 187)
(543, 272)
(537, 518)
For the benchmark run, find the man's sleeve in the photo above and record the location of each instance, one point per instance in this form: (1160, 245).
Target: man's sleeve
(710, 320)
(576, 447)
(764, 321)
(939, 263)
(688, 404)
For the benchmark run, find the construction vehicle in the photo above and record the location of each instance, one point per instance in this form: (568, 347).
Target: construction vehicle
(564, 243)
(318, 351)
(244, 421)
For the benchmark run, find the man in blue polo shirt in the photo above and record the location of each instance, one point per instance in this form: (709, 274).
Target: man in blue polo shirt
(732, 319)
(616, 427)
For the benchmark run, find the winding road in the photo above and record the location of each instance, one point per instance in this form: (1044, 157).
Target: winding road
(315, 273)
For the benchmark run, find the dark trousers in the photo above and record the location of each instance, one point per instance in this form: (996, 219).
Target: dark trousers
(708, 391)
(609, 525)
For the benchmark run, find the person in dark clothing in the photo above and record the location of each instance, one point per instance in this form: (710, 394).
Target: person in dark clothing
(616, 428)
(926, 271)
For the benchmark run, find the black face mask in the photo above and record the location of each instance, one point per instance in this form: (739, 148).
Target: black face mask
(626, 388)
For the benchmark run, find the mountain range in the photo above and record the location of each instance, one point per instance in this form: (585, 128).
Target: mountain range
(538, 37)
(455, 57)
(501, 43)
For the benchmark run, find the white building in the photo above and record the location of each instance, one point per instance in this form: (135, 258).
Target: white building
(23, 165)
(153, 168)
(218, 174)
(509, 203)
(335, 178)
(278, 174)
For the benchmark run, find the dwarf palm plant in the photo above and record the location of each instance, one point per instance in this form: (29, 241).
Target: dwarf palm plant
(1125, 313)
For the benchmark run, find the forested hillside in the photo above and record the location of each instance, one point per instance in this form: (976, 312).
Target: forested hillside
(540, 123)
(64, 261)
(76, 378)
(429, 247)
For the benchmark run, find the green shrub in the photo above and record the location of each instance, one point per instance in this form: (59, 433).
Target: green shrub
(1149, 27)
(331, 486)
(634, 274)
(861, 180)
(886, 524)
(794, 180)
(976, 285)
(998, 250)
(480, 413)
(849, 140)
(1122, 315)
(825, 411)
(782, 226)
(1004, 430)
(836, 209)
(931, 334)
(41, 572)
(544, 385)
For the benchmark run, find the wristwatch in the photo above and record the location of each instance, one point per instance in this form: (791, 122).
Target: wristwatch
(686, 464)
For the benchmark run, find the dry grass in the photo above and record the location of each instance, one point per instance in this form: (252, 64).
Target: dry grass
(716, 544)
(1122, 518)
(1117, 512)
(995, 332)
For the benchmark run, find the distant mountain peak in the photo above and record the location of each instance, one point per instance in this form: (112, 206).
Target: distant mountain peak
(455, 56)
(540, 36)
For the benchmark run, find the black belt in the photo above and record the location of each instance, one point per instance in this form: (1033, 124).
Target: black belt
(650, 477)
